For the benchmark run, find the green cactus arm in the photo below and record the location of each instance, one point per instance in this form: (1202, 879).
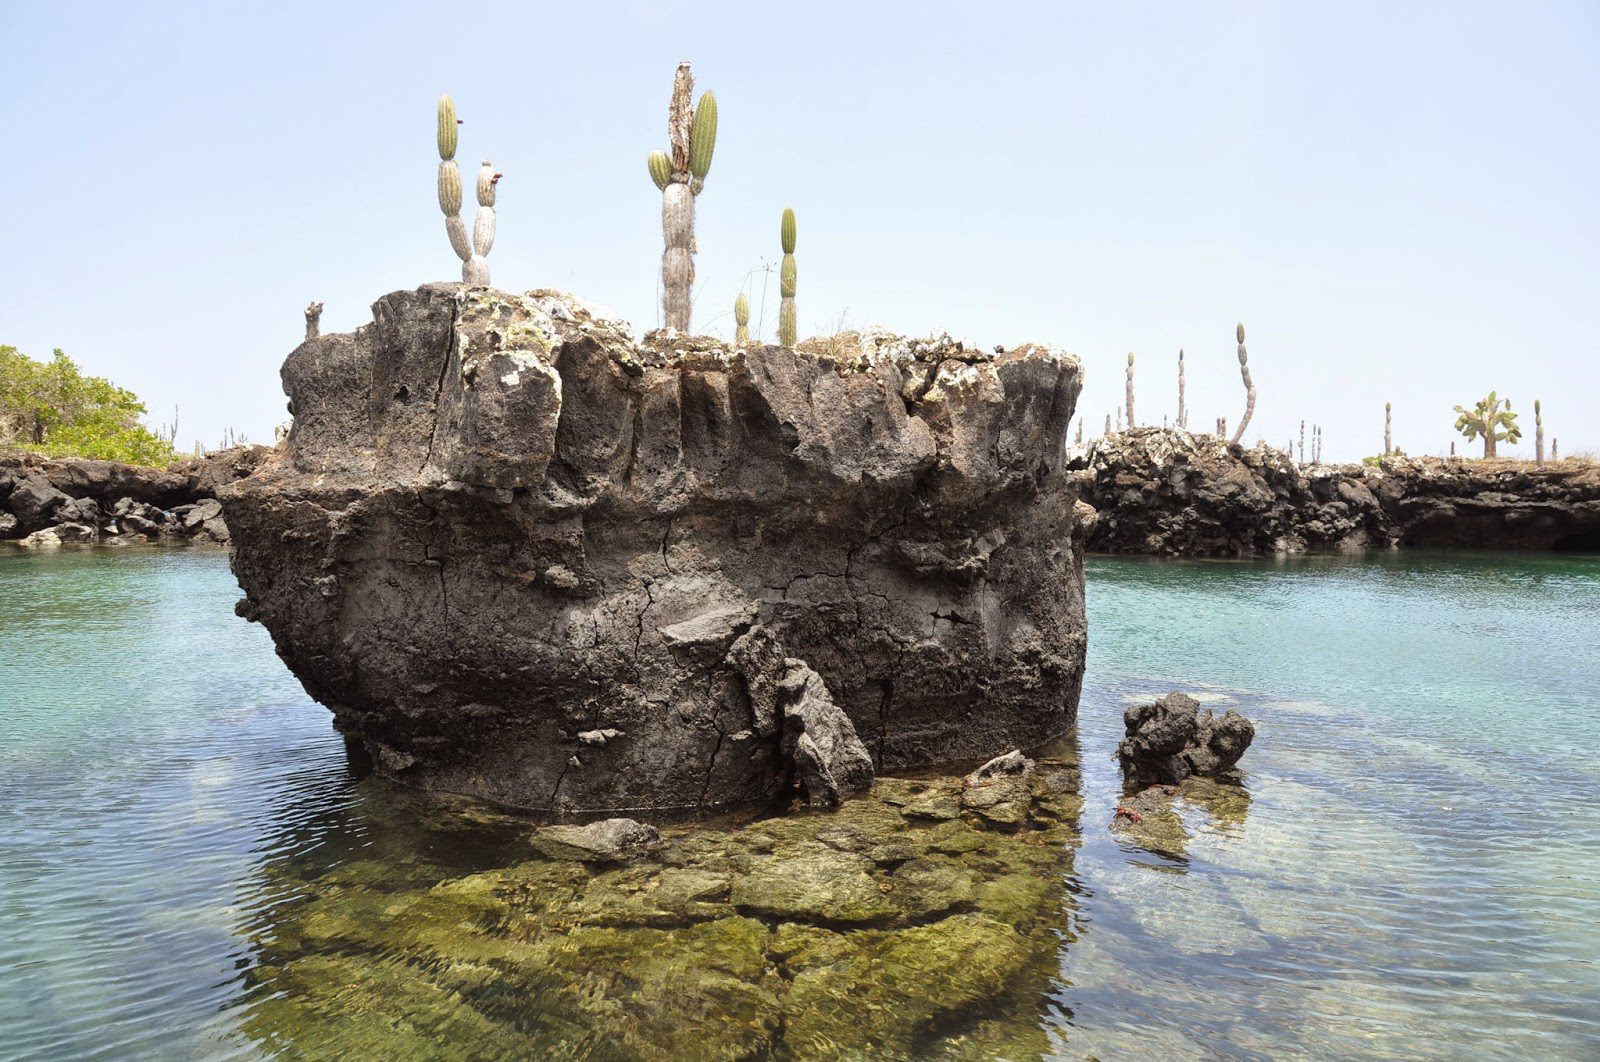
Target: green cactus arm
(660, 164)
(703, 136)
(447, 127)
(787, 277)
(787, 231)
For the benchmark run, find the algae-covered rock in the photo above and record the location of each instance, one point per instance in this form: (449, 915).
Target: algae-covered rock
(864, 931)
(607, 841)
(1001, 789)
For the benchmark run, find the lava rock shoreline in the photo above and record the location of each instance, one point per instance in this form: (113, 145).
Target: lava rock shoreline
(524, 558)
(50, 502)
(1165, 491)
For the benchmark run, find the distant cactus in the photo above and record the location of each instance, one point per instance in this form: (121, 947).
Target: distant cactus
(1119, 420)
(1490, 418)
(1249, 386)
(313, 321)
(1452, 447)
(1108, 425)
(1302, 441)
(1183, 408)
(1222, 427)
(680, 177)
(1130, 391)
(1388, 421)
(1538, 433)
(741, 318)
(1555, 449)
(474, 252)
(788, 328)
(1080, 431)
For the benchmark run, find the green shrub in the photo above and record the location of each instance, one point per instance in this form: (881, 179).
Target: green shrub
(52, 408)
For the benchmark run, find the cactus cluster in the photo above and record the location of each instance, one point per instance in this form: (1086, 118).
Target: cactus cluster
(474, 253)
(788, 325)
(680, 176)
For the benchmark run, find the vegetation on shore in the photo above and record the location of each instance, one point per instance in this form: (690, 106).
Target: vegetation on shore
(53, 408)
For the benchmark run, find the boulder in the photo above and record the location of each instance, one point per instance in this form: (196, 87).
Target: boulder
(1001, 790)
(608, 841)
(34, 502)
(499, 523)
(1173, 737)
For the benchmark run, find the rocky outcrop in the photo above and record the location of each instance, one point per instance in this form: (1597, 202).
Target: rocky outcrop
(500, 528)
(1164, 491)
(1173, 737)
(605, 841)
(45, 503)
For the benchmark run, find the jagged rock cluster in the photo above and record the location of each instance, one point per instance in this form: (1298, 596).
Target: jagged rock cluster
(49, 503)
(525, 558)
(1173, 737)
(1166, 491)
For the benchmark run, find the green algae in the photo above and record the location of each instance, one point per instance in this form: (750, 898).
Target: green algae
(876, 930)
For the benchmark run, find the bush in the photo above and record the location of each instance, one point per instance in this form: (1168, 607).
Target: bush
(52, 408)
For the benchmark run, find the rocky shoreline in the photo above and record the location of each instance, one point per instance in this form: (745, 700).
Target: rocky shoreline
(1168, 492)
(46, 503)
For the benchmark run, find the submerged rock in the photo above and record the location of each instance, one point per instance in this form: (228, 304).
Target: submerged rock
(499, 526)
(607, 841)
(1172, 738)
(852, 934)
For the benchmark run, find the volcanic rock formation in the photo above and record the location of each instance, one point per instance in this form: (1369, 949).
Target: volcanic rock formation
(1173, 737)
(524, 558)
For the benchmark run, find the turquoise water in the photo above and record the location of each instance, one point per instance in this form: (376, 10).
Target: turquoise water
(1411, 870)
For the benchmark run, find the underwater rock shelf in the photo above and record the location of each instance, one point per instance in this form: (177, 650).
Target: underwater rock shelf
(524, 558)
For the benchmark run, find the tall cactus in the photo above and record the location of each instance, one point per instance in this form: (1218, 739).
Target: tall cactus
(1249, 387)
(1538, 432)
(681, 176)
(313, 322)
(1388, 422)
(1080, 430)
(1119, 420)
(1555, 449)
(741, 318)
(1302, 441)
(1183, 408)
(788, 326)
(1130, 391)
(473, 252)
(1108, 426)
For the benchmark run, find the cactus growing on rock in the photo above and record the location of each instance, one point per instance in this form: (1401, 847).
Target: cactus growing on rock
(473, 252)
(680, 176)
(741, 320)
(1108, 425)
(1249, 386)
(1119, 420)
(313, 321)
(1183, 408)
(1491, 418)
(1388, 421)
(1555, 449)
(1538, 432)
(1130, 391)
(788, 326)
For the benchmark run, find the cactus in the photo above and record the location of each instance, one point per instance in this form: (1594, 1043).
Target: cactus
(787, 326)
(1388, 421)
(680, 176)
(1108, 425)
(1490, 418)
(1222, 427)
(1183, 409)
(1302, 441)
(1119, 420)
(1130, 391)
(1538, 433)
(473, 252)
(313, 321)
(1080, 431)
(1249, 386)
(1452, 447)
(741, 318)
(1555, 449)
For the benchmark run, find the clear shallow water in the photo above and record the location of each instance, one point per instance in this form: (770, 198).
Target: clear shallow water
(1412, 870)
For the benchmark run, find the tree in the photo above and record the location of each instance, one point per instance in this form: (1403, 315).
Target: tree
(54, 409)
(1491, 418)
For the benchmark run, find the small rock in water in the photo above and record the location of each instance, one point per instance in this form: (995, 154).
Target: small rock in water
(607, 841)
(1173, 738)
(1001, 789)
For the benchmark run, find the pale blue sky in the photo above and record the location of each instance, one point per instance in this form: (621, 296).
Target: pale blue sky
(1399, 200)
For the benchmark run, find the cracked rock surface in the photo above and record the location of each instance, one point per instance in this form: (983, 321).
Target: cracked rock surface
(522, 557)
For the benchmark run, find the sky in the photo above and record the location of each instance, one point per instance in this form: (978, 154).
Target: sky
(1400, 201)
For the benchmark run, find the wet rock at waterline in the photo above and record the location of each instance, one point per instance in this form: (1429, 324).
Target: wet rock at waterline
(1173, 737)
(498, 525)
(606, 841)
